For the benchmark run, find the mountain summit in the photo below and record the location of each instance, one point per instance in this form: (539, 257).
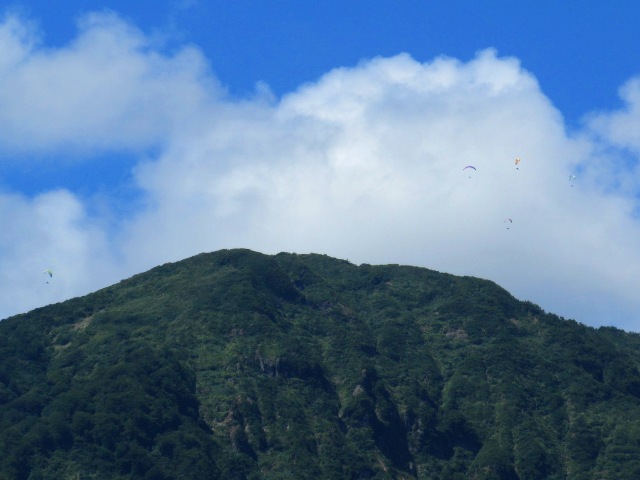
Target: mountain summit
(239, 365)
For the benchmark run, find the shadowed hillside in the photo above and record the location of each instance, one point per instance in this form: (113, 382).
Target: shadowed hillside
(238, 365)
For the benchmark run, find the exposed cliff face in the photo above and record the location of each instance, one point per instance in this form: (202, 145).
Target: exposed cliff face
(241, 365)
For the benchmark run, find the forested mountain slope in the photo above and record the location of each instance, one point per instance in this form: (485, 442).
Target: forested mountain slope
(238, 365)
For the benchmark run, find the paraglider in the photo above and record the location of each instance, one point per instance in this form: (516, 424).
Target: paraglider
(469, 166)
(508, 221)
(571, 179)
(48, 272)
(517, 163)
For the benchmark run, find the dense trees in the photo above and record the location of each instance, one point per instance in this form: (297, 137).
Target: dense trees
(244, 366)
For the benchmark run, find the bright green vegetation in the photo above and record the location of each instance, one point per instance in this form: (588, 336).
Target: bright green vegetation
(238, 365)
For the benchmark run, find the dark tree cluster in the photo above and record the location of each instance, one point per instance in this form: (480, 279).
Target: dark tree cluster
(238, 365)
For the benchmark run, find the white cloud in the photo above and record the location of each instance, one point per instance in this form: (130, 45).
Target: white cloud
(365, 164)
(109, 89)
(50, 231)
(617, 134)
(622, 128)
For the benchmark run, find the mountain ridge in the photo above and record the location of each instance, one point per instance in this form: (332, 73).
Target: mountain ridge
(244, 365)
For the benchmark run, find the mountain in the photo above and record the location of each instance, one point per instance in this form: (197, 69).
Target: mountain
(239, 365)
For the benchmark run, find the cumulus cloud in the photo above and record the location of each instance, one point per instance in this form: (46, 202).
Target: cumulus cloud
(109, 89)
(366, 164)
(622, 128)
(617, 134)
(51, 231)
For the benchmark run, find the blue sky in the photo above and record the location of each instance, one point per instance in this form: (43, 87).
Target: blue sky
(581, 52)
(136, 133)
